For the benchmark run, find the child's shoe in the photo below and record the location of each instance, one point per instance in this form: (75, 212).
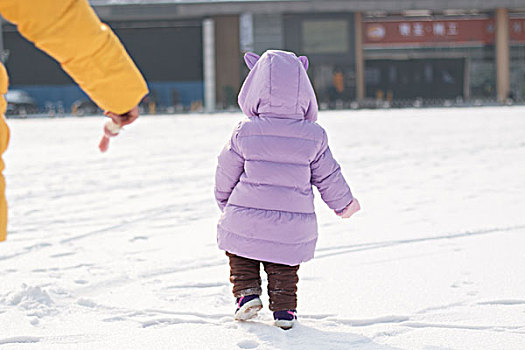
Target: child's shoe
(247, 307)
(285, 319)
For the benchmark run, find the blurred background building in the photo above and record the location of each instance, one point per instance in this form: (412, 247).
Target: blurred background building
(362, 53)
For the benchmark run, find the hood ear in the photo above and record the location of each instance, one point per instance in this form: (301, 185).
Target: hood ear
(304, 61)
(251, 59)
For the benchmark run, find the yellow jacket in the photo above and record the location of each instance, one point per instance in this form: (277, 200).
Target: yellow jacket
(70, 31)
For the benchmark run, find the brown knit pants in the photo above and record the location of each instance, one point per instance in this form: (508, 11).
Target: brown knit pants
(282, 281)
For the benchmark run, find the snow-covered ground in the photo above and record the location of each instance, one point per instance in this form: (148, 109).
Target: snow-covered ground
(117, 250)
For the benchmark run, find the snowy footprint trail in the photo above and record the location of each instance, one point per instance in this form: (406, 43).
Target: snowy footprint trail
(118, 250)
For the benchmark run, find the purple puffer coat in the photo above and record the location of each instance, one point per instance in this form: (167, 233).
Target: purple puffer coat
(264, 177)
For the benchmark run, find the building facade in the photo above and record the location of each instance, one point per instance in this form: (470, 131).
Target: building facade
(383, 50)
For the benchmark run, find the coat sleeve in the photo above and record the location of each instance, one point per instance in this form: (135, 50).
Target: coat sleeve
(229, 169)
(71, 32)
(327, 177)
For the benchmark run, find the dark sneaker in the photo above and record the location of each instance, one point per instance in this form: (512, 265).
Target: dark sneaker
(285, 319)
(247, 307)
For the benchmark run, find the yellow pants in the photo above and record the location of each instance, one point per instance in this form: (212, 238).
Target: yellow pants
(4, 141)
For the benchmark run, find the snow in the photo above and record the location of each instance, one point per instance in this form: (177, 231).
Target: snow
(118, 250)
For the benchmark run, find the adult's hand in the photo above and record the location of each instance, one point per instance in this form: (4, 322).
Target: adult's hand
(124, 119)
(112, 128)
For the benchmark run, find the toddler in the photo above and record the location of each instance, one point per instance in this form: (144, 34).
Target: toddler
(263, 184)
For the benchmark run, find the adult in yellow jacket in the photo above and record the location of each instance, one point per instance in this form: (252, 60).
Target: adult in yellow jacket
(71, 32)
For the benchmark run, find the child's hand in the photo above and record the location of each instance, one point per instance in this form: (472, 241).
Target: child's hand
(111, 129)
(350, 210)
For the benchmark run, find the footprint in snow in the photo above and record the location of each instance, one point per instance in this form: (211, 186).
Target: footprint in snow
(60, 255)
(247, 344)
(19, 340)
(503, 302)
(86, 302)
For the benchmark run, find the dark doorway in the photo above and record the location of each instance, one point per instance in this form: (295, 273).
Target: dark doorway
(415, 78)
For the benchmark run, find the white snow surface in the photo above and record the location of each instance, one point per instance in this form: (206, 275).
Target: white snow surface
(118, 250)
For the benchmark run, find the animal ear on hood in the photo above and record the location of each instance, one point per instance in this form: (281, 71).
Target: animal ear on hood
(304, 61)
(251, 59)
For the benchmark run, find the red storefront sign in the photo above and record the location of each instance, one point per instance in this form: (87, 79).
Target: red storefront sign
(517, 30)
(432, 32)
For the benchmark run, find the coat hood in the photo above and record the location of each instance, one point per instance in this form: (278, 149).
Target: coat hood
(278, 86)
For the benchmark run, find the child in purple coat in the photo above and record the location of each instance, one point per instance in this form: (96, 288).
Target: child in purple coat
(263, 184)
